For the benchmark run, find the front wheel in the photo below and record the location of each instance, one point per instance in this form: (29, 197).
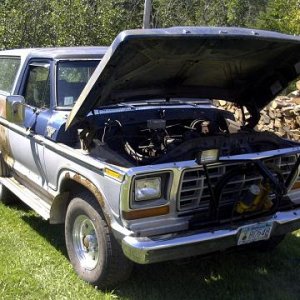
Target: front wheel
(93, 251)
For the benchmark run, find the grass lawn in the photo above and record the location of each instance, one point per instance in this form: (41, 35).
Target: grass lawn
(34, 265)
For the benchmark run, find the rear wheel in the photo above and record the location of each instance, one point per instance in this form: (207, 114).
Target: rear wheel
(6, 196)
(93, 251)
(4, 169)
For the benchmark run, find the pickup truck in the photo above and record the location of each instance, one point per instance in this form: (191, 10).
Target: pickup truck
(123, 145)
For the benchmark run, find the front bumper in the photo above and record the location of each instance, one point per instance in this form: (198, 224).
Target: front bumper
(146, 250)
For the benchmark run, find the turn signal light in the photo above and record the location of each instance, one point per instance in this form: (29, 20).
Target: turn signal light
(145, 213)
(296, 185)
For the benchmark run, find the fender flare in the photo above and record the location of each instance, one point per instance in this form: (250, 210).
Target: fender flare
(61, 201)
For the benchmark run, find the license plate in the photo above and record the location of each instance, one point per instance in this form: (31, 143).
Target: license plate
(254, 233)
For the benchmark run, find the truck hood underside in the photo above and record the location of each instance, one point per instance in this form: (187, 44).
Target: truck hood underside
(239, 65)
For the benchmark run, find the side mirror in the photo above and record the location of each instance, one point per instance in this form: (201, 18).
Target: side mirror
(15, 109)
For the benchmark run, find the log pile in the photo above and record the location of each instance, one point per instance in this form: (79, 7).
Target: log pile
(281, 116)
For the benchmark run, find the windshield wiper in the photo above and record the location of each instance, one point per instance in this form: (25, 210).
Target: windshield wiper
(126, 105)
(177, 101)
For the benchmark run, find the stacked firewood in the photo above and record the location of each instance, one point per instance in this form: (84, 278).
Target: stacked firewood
(281, 116)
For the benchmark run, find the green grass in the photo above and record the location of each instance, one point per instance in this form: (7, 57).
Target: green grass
(34, 265)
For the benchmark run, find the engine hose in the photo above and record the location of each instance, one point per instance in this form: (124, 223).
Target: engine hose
(108, 125)
(134, 154)
(138, 157)
(127, 147)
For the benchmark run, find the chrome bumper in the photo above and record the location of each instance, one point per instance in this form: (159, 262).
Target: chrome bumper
(145, 250)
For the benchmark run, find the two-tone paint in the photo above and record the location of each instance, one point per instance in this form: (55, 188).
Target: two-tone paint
(42, 159)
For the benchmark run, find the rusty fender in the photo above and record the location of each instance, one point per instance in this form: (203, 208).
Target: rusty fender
(93, 189)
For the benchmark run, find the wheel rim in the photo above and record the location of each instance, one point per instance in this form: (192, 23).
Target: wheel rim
(85, 242)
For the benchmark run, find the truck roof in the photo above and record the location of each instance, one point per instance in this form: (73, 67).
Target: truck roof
(57, 52)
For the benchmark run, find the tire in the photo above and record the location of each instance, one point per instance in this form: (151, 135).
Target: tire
(6, 196)
(93, 251)
(4, 169)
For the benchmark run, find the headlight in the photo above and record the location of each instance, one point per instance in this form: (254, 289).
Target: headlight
(147, 189)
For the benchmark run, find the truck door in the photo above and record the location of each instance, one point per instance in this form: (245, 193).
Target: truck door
(27, 148)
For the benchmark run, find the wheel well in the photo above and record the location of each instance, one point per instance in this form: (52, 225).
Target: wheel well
(72, 187)
(68, 190)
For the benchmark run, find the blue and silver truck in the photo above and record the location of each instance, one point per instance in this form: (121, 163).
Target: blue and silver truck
(124, 146)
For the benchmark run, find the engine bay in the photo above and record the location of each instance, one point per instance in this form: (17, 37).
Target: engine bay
(167, 135)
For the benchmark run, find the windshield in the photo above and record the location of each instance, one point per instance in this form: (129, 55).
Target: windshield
(72, 76)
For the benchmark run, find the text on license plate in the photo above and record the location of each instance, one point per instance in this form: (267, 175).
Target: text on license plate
(254, 233)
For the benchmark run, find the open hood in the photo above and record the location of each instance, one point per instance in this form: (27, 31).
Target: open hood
(245, 66)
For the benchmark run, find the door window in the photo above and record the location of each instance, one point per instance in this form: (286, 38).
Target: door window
(37, 88)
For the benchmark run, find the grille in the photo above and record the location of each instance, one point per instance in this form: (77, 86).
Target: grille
(194, 192)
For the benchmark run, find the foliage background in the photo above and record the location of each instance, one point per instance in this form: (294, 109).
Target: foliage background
(38, 23)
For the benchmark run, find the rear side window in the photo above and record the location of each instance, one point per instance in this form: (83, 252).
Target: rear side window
(9, 67)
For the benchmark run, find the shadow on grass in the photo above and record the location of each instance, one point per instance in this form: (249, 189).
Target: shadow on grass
(235, 275)
(18, 205)
(53, 233)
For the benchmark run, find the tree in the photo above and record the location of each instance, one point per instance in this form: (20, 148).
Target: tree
(207, 12)
(281, 16)
(23, 23)
(38, 23)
